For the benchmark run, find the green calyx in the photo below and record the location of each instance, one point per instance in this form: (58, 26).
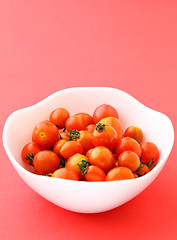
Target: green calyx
(30, 157)
(73, 134)
(83, 166)
(100, 127)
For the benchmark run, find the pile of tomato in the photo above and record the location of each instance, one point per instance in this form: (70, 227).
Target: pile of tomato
(89, 147)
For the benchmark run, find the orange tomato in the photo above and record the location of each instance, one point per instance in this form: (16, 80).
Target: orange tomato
(119, 173)
(134, 132)
(70, 148)
(66, 173)
(129, 159)
(59, 117)
(115, 123)
(127, 144)
(102, 157)
(74, 161)
(104, 135)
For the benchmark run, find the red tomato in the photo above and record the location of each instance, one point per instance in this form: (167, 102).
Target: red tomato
(127, 144)
(70, 148)
(101, 157)
(119, 173)
(58, 145)
(115, 123)
(74, 161)
(59, 117)
(86, 140)
(104, 135)
(66, 173)
(91, 172)
(150, 153)
(90, 127)
(29, 151)
(134, 132)
(130, 160)
(75, 122)
(103, 111)
(46, 162)
(45, 134)
(87, 118)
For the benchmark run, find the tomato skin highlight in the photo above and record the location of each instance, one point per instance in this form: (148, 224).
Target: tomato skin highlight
(70, 148)
(46, 162)
(59, 116)
(130, 160)
(127, 144)
(106, 137)
(119, 173)
(66, 173)
(135, 133)
(149, 152)
(30, 148)
(102, 157)
(45, 134)
(95, 174)
(103, 111)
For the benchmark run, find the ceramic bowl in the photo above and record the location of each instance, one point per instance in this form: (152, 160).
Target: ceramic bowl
(80, 196)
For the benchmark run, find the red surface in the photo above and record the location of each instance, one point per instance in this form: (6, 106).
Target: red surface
(46, 46)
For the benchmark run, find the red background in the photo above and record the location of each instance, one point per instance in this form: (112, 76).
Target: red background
(46, 46)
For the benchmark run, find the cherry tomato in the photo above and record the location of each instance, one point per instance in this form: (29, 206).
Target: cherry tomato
(142, 170)
(104, 135)
(91, 172)
(150, 153)
(103, 111)
(29, 151)
(58, 145)
(59, 117)
(64, 136)
(70, 148)
(102, 157)
(46, 162)
(127, 144)
(86, 140)
(134, 132)
(95, 174)
(74, 161)
(66, 173)
(75, 122)
(115, 123)
(119, 173)
(45, 134)
(130, 160)
(87, 118)
(90, 127)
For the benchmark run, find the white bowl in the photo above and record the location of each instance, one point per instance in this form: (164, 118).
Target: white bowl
(87, 197)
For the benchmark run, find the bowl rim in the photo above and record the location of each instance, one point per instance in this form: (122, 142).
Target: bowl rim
(21, 168)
